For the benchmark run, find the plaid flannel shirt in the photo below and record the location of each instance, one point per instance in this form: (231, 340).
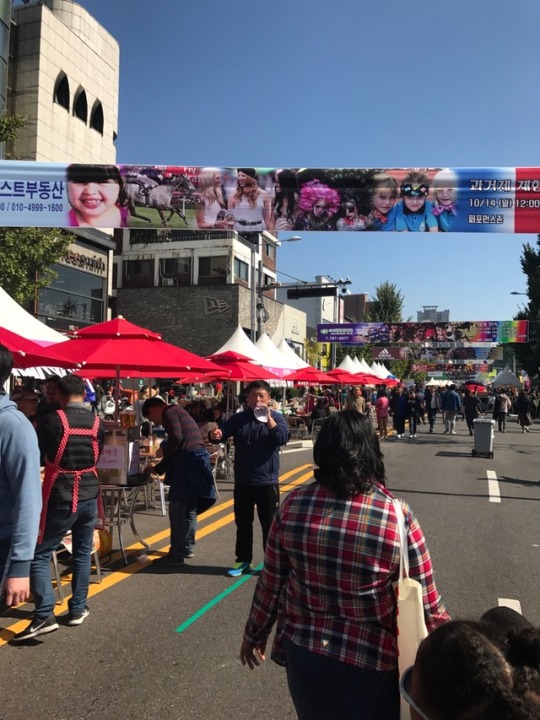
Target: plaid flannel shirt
(328, 576)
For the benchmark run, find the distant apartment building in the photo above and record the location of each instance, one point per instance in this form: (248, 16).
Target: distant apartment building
(431, 313)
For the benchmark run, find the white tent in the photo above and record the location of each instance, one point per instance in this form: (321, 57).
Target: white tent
(240, 343)
(348, 365)
(287, 350)
(357, 362)
(506, 377)
(15, 318)
(364, 367)
(275, 360)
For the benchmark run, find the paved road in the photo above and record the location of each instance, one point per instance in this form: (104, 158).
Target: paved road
(128, 660)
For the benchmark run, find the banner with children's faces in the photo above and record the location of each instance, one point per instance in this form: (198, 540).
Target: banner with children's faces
(276, 200)
(461, 333)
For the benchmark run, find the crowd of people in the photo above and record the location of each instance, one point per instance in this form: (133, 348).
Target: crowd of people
(332, 547)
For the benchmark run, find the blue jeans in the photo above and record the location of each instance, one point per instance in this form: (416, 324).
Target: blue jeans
(60, 520)
(323, 688)
(183, 520)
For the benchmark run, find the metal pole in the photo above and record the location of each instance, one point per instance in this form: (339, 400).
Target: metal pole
(254, 290)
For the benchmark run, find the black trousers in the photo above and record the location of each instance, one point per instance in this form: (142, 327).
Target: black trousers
(246, 498)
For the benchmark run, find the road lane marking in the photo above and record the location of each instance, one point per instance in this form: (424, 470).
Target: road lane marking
(493, 487)
(6, 634)
(218, 598)
(510, 603)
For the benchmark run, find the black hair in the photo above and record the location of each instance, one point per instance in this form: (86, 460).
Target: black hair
(461, 673)
(151, 403)
(71, 385)
(78, 173)
(259, 385)
(288, 191)
(347, 454)
(6, 364)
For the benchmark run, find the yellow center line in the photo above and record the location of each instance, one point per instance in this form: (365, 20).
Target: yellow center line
(118, 576)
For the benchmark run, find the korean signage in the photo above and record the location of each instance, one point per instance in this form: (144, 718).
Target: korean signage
(257, 199)
(464, 333)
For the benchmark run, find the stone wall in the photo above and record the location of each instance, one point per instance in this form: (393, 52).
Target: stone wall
(197, 318)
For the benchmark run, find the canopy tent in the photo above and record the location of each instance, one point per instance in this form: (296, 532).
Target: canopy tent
(287, 350)
(348, 365)
(275, 360)
(235, 366)
(16, 319)
(240, 343)
(506, 377)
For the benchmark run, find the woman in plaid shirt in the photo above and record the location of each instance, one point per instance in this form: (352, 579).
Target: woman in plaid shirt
(331, 558)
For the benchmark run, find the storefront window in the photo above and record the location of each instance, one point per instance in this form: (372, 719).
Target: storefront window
(74, 298)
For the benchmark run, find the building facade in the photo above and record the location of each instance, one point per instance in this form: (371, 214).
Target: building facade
(195, 288)
(62, 74)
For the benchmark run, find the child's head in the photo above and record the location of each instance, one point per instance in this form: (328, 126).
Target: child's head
(384, 192)
(318, 198)
(444, 187)
(95, 189)
(414, 190)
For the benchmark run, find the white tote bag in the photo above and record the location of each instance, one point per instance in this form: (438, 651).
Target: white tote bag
(411, 624)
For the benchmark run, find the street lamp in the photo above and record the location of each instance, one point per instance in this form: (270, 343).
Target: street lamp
(259, 314)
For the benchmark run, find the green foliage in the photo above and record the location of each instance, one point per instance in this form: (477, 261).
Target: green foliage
(10, 126)
(387, 305)
(400, 368)
(27, 255)
(528, 355)
(313, 352)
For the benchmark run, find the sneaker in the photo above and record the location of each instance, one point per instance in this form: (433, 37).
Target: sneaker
(445, 432)
(168, 561)
(238, 569)
(38, 626)
(189, 554)
(414, 436)
(78, 618)
(453, 432)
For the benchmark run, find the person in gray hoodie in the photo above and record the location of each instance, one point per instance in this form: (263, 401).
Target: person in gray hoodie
(20, 493)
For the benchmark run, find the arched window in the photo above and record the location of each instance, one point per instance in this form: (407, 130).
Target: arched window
(61, 91)
(80, 106)
(96, 117)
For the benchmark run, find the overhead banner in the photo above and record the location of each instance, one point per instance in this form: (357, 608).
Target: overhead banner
(258, 199)
(464, 333)
(464, 355)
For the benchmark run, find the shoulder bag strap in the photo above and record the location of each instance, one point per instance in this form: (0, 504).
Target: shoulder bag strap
(403, 542)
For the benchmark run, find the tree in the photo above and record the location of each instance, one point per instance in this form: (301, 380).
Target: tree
(27, 257)
(528, 354)
(387, 305)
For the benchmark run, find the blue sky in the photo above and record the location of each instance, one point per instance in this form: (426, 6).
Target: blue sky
(297, 83)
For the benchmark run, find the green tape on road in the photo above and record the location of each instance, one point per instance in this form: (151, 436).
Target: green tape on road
(217, 599)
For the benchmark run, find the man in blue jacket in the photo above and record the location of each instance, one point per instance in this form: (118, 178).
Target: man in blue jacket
(451, 405)
(258, 433)
(20, 493)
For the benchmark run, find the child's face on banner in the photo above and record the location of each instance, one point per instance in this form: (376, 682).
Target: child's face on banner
(90, 200)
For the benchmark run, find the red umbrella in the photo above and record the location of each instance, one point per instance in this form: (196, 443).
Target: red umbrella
(309, 375)
(341, 377)
(236, 369)
(27, 353)
(198, 377)
(126, 349)
(122, 346)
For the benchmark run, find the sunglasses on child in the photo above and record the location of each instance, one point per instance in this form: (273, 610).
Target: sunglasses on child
(404, 689)
(414, 190)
